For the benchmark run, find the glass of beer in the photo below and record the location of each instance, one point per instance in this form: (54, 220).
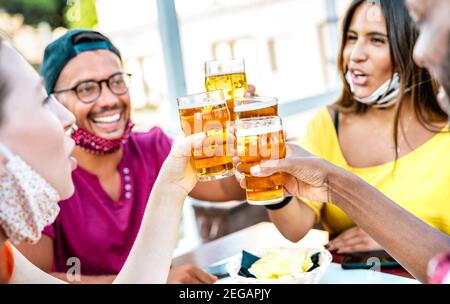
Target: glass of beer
(208, 112)
(261, 138)
(248, 107)
(227, 75)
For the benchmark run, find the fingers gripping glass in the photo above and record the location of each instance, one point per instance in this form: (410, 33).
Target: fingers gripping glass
(90, 90)
(208, 112)
(259, 139)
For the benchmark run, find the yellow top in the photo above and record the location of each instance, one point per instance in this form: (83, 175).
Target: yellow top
(419, 184)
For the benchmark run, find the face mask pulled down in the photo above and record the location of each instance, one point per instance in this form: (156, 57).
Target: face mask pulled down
(98, 145)
(27, 202)
(383, 97)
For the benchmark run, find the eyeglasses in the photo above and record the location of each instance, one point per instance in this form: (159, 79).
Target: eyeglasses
(90, 90)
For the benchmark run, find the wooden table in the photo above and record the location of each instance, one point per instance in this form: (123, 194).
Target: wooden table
(260, 236)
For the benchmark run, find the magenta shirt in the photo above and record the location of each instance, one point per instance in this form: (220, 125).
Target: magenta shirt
(94, 228)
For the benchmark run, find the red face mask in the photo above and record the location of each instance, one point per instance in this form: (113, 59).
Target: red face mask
(98, 145)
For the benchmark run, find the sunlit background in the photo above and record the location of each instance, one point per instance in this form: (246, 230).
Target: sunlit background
(289, 47)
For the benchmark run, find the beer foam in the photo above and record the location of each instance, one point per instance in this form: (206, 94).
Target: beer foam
(255, 106)
(258, 131)
(202, 104)
(225, 73)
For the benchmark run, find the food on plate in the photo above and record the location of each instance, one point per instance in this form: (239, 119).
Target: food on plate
(276, 264)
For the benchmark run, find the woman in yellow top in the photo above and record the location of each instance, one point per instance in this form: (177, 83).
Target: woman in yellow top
(386, 127)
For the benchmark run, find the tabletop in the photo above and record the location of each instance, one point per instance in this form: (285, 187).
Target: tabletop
(265, 235)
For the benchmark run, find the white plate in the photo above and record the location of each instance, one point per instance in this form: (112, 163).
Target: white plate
(312, 277)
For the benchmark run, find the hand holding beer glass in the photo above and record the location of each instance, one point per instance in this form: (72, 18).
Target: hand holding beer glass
(227, 75)
(258, 139)
(208, 113)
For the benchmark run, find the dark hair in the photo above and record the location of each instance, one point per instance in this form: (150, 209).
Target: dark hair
(402, 36)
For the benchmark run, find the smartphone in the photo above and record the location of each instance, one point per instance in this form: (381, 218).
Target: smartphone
(366, 260)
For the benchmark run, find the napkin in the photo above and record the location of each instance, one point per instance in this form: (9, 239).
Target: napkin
(249, 259)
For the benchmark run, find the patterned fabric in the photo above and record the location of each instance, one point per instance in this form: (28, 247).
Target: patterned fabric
(439, 270)
(27, 202)
(385, 96)
(98, 145)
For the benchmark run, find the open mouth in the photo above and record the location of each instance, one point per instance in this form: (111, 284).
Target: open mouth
(108, 122)
(359, 74)
(107, 119)
(358, 77)
(73, 163)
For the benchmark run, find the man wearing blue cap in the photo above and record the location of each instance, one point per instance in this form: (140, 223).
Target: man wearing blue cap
(117, 167)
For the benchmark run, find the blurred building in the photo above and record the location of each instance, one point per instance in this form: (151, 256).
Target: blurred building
(29, 40)
(289, 46)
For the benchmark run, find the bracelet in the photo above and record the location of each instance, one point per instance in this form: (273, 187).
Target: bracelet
(280, 205)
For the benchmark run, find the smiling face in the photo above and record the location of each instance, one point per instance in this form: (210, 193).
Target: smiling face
(432, 49)
(33, 126)
(366, 53)
(106, 117)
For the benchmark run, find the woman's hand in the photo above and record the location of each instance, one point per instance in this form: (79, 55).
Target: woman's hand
(291, 150)
(179, 169)
(353, 240)
(306, 175)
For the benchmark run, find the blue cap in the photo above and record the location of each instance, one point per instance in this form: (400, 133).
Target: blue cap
(61, 51)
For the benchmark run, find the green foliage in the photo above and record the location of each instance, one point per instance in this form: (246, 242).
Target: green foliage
(67, 13)
(36, 11)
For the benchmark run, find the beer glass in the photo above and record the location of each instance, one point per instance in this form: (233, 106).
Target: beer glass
(248, 107)
(261, 138)
(227, 75)
(208, 112)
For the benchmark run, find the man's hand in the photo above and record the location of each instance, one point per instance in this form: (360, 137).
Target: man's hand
(353, 240)
(189, 274)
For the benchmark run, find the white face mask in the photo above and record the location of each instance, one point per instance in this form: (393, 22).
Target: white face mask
(383, 97)
(27, 202)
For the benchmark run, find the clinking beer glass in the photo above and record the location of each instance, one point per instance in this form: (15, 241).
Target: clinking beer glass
(248, 107)
(258, 139)
(208, 112)
(227, 75)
